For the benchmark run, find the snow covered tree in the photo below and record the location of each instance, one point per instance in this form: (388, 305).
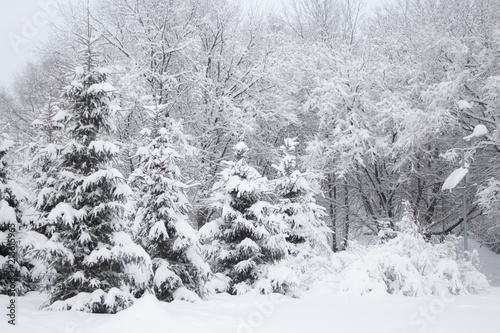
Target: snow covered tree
(38, 89)
(161, 221)
(83, 197)
(15, 269)
(349, 138)
(81, 207)
(246, 238)
(297, 205)
(330, 22)
(437, 65)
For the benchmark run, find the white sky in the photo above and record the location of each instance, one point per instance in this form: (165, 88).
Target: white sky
(23, 24)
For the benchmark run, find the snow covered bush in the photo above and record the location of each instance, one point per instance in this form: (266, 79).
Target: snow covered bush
(410, 266)
(246, 238)
(161, 222)
(80, 204)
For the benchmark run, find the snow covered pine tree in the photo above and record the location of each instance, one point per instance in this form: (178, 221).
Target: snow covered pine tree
(81, 207)
(161, 221)
(245, 240)
(15, 274)
(304, 218)
(297, 209)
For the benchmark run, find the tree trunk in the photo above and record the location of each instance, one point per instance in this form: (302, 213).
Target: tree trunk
(332, 195)
(347, 220)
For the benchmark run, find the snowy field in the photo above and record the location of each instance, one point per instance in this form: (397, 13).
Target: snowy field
(319, 310)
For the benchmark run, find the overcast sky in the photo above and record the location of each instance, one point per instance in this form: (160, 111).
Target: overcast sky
(23, 23)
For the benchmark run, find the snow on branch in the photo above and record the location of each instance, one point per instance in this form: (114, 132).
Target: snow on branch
(101, 87)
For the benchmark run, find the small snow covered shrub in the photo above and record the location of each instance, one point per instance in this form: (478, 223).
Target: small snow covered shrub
(410, 266)
(279, 278)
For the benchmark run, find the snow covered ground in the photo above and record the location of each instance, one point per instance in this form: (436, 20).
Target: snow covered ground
(319, 310)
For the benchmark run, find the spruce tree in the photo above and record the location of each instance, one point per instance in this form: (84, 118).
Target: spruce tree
(81, 206)
(245, 240)
(297, 207)
(161, 219)
(15, 269)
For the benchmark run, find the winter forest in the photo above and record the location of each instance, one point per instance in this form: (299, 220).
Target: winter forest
(189, 148)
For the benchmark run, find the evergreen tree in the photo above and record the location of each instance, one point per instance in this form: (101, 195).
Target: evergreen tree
(15, 269)
(161, 220)
(245, 239)
(81, 206)
(297, 206)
